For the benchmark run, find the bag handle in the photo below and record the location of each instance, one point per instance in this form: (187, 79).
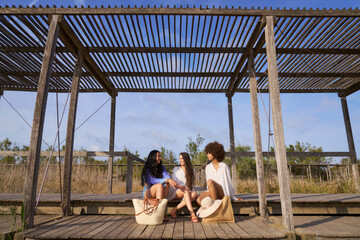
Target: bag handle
(153, 204)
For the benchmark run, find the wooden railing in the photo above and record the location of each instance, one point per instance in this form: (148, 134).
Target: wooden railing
(200, 169)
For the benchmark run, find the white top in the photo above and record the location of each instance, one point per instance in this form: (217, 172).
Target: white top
(179, 176)
(222, 177)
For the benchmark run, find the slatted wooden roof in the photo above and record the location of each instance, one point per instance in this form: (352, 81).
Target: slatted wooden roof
(181, 49)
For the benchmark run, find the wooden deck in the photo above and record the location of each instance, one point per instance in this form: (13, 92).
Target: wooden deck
(341, 204)
(245, 227)
(125, 227)
(325, 227)
(9, 224)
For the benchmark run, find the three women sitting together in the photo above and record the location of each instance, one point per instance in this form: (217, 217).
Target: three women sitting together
(158, 183)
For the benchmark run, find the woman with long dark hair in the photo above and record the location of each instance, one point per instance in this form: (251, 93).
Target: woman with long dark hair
(185, 178)
(154, 177)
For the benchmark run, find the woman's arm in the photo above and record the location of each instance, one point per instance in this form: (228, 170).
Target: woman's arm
(229, 188)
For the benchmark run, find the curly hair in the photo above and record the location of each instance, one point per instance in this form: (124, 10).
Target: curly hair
(190, 178)
(216, 149)
(155, 169)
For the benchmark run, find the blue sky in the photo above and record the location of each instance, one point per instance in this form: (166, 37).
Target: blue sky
(146, 121)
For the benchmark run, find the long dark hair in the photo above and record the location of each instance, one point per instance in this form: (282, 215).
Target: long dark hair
(155, 169)
(189, 170)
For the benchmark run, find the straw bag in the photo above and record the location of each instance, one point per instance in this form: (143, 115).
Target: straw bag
(224, 214)
(149, 211)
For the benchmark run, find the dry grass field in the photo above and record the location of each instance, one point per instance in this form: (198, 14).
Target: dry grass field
(92, 179)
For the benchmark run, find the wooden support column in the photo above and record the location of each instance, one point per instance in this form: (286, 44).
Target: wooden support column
(257, 137)
(111, 144)
(354, 164)
(129, 173)
(280, 150)
(232, 144)
(70, 133)
(31, 177)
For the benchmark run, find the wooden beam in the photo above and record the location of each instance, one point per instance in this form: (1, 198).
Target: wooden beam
(31, 177)
(280, 150)
(313, 74)
(234, 81)
(260, 173)
(261, 50)
(350, 90)
(354, 164)
(295, 154)
(197, 74)
(180, 90)
(62, 153)
(129, 173)
(184, 11)
(68, 36)
(111, 144)
(232, 144)
(70, 134)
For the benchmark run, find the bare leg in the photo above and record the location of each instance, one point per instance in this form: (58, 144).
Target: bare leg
(158, 191)
(182, 194)
(166, 190)
(187, 198)
(202, 196)
(216, 191)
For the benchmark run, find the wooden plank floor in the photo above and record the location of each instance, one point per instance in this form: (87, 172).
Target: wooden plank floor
(125, 227)
(7, 223)
(326, 227)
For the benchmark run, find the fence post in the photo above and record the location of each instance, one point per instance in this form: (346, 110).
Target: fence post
(129, 173)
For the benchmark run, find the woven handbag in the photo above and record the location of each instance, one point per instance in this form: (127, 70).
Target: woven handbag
(149, 211)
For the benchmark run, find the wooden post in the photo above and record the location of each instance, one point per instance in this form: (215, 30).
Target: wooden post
(70, 133)
(31, 177)
(129, 173)
(280, 151)
(232, 145)
(111, 144)
(257, 137)
(354, 164)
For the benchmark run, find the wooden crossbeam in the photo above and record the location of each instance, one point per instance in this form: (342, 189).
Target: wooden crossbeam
(70, 39)
(180, 90)
(184, 11)
(304, 51)
(234, 81)
(195, 74)
(350, 90)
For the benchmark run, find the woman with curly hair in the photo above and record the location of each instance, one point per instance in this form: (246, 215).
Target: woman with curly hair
(185, 178)
(217, 174)
(155, 178)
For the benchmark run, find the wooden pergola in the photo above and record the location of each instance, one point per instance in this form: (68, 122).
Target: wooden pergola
(157, 49)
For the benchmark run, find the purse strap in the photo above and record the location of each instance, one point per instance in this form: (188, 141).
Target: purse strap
(150, 206)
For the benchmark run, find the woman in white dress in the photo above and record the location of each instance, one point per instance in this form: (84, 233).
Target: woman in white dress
(185, 178)
(217, 174)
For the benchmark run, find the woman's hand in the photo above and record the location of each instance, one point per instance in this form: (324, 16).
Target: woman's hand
(172, 183)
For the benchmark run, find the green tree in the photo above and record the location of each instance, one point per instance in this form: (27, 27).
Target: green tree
(168, 156)
(193, 147)
(305, 147)
(5, 145)
(246, 166)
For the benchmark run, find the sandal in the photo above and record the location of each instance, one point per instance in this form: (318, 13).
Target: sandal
(173, 213)
(194, 219)
(166, 219)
